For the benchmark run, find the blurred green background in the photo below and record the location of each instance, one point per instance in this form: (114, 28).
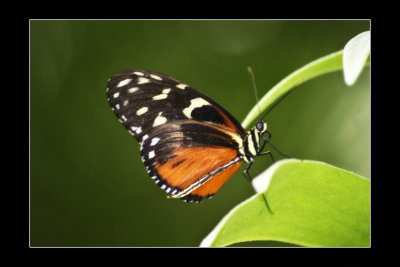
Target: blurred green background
(88, 186)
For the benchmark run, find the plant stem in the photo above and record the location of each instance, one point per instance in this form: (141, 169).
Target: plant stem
(326, 64)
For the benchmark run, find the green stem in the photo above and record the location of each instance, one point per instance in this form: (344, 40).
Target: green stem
(326, 64)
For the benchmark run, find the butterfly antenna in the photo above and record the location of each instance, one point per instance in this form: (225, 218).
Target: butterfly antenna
(253, 80)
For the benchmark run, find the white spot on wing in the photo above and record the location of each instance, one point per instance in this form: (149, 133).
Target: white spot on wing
(117, 106)
(138, 73)
(133, 89)
(151, 154)
(125, 103)
(154, 141)
(156, 77)
(137, 130)
(164, 94)
(116, 95)
(143, 80)
(160, 96)
(159, 120)
(142, 111)
(181, 86)
(124, 118)
(123, 82)
(145, 137)
(195, 103)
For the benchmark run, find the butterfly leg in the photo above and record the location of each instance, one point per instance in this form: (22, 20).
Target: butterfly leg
(247, 175)
(246, 172)
(266, 139)
(268, 153)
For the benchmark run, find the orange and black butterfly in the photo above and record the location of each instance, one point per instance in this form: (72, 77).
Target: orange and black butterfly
(190, 145)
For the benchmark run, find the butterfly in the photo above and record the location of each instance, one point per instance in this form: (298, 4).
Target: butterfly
(190, 144)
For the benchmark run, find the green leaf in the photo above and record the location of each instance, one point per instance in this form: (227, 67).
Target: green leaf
(310, 203)
(355, 54)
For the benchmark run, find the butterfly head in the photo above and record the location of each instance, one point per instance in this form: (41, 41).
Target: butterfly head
(252, 141)
(260, 127)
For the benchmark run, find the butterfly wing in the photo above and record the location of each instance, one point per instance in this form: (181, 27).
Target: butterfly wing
(189, 159)
(189, 143)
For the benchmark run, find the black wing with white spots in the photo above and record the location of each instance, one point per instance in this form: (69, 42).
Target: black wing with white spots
(143, 100)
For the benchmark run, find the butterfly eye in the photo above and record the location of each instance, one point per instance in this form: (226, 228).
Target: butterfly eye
(260, 126)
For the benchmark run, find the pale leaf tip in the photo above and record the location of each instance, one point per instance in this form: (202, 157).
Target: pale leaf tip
(355, 54)
(262, 181)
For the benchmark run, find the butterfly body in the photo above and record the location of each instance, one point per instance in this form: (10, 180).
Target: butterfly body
(190, 145)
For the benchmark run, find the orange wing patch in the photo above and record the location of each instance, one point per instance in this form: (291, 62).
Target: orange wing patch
(213, 185)
(191, 164)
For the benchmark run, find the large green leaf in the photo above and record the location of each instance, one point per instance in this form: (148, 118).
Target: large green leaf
(310, 203)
